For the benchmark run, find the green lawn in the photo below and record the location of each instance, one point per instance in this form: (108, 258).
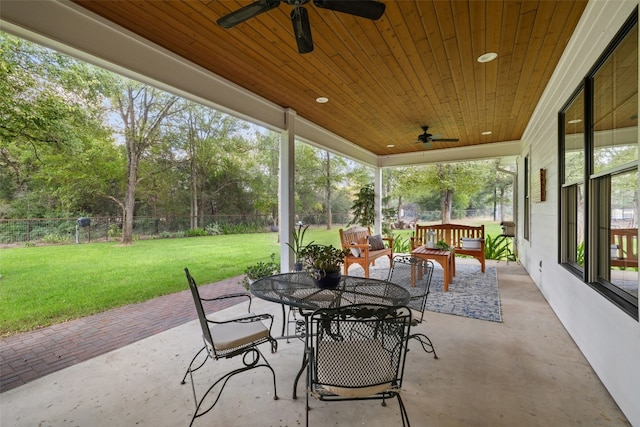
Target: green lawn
(43, 285)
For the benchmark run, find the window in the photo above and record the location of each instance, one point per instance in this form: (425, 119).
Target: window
(598, 130)
(572, 193)
(527, 201)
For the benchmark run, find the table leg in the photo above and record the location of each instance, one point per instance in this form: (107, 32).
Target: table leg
(413, 274)
(305, 362)
(453, 265)
(285, 319)
(446, 266)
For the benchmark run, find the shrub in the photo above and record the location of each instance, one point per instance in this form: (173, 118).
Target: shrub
(498, 248)
(115, 230)
(260, 270)
(196, 232)
(54, 238)
(401, 244)
(213, 229)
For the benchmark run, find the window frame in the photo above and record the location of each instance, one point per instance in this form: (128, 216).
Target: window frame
(589, 272)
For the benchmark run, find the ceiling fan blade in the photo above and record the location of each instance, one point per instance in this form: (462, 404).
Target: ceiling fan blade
(302, 29)
(247, 12)
(370, 9)
(445, 139)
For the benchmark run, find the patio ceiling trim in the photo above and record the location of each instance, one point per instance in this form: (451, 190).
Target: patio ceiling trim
(508, 150)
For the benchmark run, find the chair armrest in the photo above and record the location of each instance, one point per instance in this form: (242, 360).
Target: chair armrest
(390, 240)
(227, 296)
(246, 319)
(253, 318)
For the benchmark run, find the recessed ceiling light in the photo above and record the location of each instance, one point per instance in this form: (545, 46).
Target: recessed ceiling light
(490, 56)
(390, 145)
(322, 100)
(574, 121)
(488, 132)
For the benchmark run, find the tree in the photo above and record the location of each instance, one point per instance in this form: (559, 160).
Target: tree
(52, 111)
(504, 180)
(212, 141)
(363, 208)
(447, 180)
(264, 184)
(318, 174)
(143, 110)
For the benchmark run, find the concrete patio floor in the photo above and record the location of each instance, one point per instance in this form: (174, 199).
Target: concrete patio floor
(525, 371)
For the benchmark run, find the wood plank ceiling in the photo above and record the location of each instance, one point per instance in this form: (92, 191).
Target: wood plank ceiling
(384, 79)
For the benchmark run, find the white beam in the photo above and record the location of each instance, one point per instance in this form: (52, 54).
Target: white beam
(459, 154)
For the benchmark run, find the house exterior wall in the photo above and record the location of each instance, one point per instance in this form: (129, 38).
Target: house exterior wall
(609, 338)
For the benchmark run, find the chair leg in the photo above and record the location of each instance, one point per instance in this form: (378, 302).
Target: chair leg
(252, 364)
(425, 342)
(403, 412)
(189, 370)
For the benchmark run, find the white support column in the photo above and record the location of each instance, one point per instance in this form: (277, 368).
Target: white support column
(287, 189)
(377, 185)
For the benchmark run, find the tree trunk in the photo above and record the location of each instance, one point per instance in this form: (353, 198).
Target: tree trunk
(129, 201)
(200, 205)
(446, 201)
(328, 192)
(193, 206)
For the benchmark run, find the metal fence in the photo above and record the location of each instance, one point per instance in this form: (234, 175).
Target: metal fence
(69, 230)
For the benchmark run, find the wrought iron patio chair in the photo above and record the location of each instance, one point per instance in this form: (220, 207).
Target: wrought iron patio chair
(414, 275)
(238, 336)
(357, 352)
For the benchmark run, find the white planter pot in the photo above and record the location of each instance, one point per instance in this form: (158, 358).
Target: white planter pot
(470, 243)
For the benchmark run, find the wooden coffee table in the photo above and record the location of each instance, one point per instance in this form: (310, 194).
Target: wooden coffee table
(445, 258)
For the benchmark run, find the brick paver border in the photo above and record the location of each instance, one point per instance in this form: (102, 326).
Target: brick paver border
(27, 356)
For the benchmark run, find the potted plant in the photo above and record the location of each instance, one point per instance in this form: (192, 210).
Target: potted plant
(324, 263)
(297, 246)
(260, 270)
(442, 245)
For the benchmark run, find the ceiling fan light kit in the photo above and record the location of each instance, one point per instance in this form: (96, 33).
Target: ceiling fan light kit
(370, 9)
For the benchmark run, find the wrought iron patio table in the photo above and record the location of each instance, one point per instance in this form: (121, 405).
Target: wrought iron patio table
(298, 290)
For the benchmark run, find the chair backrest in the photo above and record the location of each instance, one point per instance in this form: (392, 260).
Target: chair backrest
(357, 350)
(356, 234)
(206, 332)
(405, 269)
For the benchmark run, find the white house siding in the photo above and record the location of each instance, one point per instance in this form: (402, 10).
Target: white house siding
(609, 338)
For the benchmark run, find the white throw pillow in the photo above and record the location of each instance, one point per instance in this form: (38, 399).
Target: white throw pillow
(355, 251)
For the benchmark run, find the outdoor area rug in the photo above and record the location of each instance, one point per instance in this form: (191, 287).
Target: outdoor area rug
(472, 294)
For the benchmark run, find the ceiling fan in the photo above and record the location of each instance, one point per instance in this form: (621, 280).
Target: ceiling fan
(370, 9)
(426, 138)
